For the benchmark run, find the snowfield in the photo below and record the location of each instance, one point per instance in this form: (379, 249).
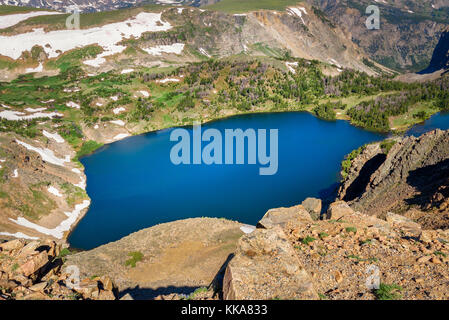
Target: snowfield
(175, 48)
(59, 231)
(106, 36)
(54, 191)
(17, 115)
(13, 19)
(53, 136)
(46, 154)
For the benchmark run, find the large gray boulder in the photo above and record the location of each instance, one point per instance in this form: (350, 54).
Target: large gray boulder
(265, 266)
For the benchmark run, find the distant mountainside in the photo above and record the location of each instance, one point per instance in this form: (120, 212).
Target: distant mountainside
(409, 30)
(102, 5)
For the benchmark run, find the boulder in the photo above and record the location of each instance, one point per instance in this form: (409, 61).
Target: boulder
(313, 206)
(34, 264)
(12, 245)
(338, 210)
(265, 266)
(404, 223)
(281, 216)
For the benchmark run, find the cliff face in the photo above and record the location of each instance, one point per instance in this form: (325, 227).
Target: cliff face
(413, 175)
(409, 30)
(440, 58)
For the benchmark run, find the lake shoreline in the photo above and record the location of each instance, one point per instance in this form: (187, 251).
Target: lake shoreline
(218, 119)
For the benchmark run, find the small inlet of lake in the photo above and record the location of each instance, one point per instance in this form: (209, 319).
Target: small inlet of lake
(134, 185)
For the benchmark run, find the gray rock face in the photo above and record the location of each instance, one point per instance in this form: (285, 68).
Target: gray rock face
(265, 266)
(313, 206)
(412, 172)
(280, 216)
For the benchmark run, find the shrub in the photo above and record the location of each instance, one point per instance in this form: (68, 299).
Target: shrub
(135, 257)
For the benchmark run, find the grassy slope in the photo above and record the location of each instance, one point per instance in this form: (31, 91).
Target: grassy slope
(240, 6)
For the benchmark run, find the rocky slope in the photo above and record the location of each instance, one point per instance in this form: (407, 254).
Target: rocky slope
(413, 175)
(34, 271)
(175, 258)
(409, 31)
(348, 255)
(186, 35)
(95, 6)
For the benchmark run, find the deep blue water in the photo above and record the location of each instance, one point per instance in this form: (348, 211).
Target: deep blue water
(133, 184)
(438, 121)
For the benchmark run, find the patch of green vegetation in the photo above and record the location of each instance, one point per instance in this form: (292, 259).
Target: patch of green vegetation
(439, 253)
(386, 145)
(63, 255)
(388, 292)
(14, 267)
(322, 296)
(135, 257)
(73, 58)
(87, 148)
(326, 111)
(197, 292)
(73, 193)
(346, 164)
(323, 235)
(238, 6)
(351, 229)
(307, 240)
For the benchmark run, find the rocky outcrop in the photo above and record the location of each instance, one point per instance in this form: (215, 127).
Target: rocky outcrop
(265, 266)
(170, 258)
(344, 258)
(281, 216)
(408, 35)
(413, 174)
(313, 206)
(33, 271)
(440, 57)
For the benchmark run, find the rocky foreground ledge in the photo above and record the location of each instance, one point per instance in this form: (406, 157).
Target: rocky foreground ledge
(34, 271)
(290, 255)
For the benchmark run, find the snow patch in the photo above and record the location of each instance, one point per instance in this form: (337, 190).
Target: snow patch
(107, 36)
(72, 104)
(205, 53)
(53, 136)
(46, 154)
(175, 48)
(120, 136)
(18, 235)
(118, 122)
(291, 65)
(247, 229)
(39, 68)
(54, 191)
(64, 226)
(18, 116)
(168, 80)
(125, 71)
(118, 110)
